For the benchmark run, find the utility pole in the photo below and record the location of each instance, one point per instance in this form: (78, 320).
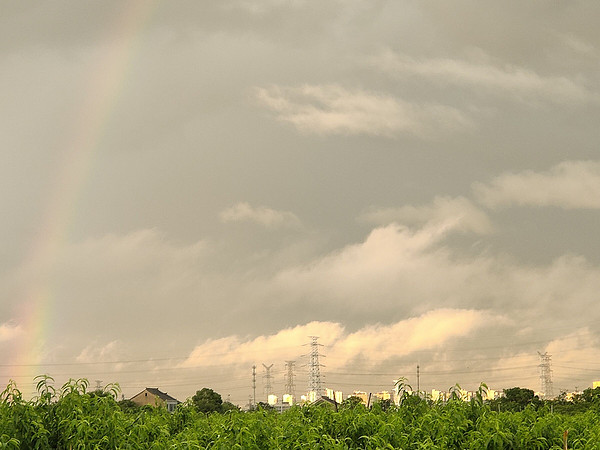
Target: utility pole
(254, 385)
(290, 385)
(546, 375)
(418, 382)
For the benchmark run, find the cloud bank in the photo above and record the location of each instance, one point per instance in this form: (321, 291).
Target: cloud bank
(371, 343)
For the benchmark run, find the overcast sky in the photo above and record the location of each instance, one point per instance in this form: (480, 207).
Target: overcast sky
(191, 188)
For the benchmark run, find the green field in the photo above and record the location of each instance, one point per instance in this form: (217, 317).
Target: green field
(70, 417)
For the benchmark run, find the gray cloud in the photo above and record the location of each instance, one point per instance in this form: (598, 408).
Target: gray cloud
(217, 126)
(517, 82)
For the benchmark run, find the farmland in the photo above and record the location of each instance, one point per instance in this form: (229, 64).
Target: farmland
(72, 417)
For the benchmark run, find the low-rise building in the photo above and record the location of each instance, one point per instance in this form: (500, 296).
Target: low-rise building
(155, 397)
(364, 397)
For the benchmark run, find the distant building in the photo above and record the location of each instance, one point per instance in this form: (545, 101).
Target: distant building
(492, 394)
(311, 396)
(326, 401)
(338, 396)
(466, 395)
(570, 396)
(364, 397)
(281, 407)
(383, 395)
(155, 397)
(438, 395)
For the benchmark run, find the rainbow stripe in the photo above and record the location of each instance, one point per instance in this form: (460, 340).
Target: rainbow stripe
(106, 83)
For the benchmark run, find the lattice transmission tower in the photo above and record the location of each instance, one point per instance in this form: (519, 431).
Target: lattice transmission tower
(546, 375)
(290, 385)
(315, 384)
(267, 376)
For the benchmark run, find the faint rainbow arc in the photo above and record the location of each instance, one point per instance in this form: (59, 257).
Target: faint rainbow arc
(108, 76)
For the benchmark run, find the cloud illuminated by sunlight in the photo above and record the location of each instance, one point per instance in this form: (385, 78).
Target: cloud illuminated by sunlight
(371, 343)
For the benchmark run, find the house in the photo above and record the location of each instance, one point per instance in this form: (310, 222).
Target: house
(154, 397)
(326, 401)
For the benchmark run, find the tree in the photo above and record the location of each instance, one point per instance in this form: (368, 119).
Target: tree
(520, 396)
(206, 400)
(516, 399)
(384, 405)
(265, 406)
(228, 406)
(128, 405)
(352, 402)
(590, 395)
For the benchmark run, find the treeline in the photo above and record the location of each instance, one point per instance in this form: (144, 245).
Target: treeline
(516, 399)
(71, 417)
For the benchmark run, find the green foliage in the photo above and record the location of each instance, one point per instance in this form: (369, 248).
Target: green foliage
(206, 400)
(228, 406)
(516, 399)
(128, 406)
(352, 402)
(70, 417)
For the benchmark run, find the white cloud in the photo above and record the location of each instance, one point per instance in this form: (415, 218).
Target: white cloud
(239, 351)
(267, 217)
(425, 332)
(370, 343)
(458, 213)
(10, 331)
(514, 81)
(568, 185)
(332, 109)
(393, 267)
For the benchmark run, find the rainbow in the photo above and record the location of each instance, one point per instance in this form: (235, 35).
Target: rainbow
(108, 74)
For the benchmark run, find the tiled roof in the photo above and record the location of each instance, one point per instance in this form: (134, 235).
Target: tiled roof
(162, 395)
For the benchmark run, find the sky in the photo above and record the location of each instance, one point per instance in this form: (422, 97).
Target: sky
(189, 189)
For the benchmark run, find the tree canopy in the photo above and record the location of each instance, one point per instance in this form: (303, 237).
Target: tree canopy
(206, 400)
